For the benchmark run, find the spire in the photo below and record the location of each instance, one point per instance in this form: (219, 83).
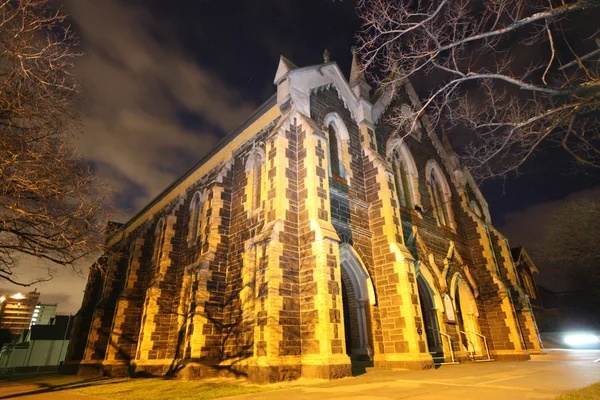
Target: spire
(446, 141)
(282, 81)
(452, 155)
(284, 67)
(358, 83)
(356, 74)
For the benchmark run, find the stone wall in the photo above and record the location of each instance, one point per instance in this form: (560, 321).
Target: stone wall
(258, 291)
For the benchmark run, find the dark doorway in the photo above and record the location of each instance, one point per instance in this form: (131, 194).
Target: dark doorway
(430, 321)
(347, 319)
(361, 359)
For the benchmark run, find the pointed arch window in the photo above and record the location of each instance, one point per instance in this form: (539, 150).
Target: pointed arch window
(440, 195)
(195, 223)
(438, 200)
(403, 184)
(338, 142)
(254, 167)
(256, 185)
(406, 176)
(333, 151)
(159, 240)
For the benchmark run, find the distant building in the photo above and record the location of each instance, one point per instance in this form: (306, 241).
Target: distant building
(16, 311)
(43, 314)
(554, 311)
(41, 347)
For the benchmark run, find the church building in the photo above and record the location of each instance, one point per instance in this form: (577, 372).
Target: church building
(315, 237)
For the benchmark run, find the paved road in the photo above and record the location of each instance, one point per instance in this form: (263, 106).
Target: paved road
(545, 377)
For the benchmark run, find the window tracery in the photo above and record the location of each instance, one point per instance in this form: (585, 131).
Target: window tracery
(159, 240)
(441, 201)
(254, 170)
(195, 222)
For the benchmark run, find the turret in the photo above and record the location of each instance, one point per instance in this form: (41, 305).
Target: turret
(358, 83)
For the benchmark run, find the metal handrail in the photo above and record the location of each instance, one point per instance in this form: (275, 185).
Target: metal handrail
(474, 352)
(487, 350)
(449, 343)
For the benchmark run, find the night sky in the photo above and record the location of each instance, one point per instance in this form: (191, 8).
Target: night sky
(167, 79)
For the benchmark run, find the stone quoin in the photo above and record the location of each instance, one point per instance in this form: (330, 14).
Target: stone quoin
(314, 236)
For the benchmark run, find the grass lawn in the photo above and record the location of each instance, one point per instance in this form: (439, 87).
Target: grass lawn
(142, 388)
(587, 393)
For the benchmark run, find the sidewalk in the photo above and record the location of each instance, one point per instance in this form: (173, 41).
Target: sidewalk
(9, 390)
(545, 377)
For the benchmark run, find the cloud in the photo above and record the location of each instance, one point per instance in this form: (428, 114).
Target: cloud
(153, 110)
(65, 289)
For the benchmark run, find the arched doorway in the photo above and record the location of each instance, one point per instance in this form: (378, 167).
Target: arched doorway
(352, 328)
(357, 295)
(467, 317)
(430, 319)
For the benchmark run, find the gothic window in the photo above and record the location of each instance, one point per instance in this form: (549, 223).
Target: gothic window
(440, 195)
(334, 158)
(438, 200)
(195, 223)
(403, 184)
(256, 185)
(338, 145)
(254, 167)
(405, 173)
(159, 240)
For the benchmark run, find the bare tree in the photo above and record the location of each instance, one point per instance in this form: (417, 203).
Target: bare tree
(571, 241)
(50, 204)
(517, 73)
(572, 235)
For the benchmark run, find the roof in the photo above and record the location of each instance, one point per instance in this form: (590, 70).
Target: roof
(519, 254)
(516, 252)
(61, 329)
(263, 108)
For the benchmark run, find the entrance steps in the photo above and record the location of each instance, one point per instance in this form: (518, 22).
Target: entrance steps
(437, 361)
(361, 365)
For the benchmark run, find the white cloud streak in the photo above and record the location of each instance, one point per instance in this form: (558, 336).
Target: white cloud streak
(139, 81)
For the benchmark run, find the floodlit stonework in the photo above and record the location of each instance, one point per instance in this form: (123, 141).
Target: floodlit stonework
(311, 239)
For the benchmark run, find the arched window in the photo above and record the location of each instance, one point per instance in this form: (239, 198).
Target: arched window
(440, 195)
(405, 172)
(159, 240)
(338, 143)
(254, 165)
(256, 185)
(403, 184)
(438, 200)
(334, 158)
(195, 224)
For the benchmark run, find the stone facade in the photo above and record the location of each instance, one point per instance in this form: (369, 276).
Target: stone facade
(313, 237)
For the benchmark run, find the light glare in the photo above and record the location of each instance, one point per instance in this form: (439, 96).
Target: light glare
(581, 339)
